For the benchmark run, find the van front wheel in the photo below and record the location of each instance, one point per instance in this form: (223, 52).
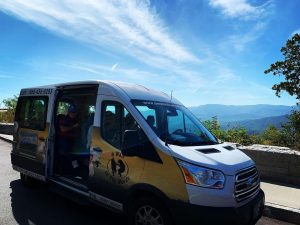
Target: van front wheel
(148, 211)
(27, 181)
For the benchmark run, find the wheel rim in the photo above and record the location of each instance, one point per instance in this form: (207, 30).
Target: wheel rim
(147, 215)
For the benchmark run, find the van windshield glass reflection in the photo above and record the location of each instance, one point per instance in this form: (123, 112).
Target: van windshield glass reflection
(174, 124)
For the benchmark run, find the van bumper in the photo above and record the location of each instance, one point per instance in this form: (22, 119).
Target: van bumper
(250, 213)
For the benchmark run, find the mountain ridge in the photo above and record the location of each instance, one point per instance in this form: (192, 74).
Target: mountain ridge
(231, 113)
(257, 126)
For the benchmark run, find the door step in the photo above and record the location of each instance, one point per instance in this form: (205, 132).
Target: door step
(66, 190)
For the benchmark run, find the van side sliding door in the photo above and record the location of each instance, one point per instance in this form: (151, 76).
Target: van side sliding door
(112, 173)
(32, 123)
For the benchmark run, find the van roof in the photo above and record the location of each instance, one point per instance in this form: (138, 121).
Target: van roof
(133, 91)
(88, 82)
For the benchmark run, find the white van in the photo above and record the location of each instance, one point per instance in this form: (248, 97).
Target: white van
(135, 151)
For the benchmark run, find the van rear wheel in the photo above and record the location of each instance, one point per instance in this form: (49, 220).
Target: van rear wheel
(148, 211)
(27, 180)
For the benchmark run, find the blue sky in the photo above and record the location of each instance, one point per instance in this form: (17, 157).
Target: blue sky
(207, 52)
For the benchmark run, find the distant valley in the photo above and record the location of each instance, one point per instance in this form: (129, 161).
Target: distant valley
(255, 118)
(257, 126)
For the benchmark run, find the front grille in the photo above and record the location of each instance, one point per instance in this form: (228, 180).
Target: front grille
(247, 183)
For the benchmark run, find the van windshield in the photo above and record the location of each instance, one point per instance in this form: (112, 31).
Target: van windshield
(174, 124)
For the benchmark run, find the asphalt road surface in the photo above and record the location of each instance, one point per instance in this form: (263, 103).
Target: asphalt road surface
(38, 206)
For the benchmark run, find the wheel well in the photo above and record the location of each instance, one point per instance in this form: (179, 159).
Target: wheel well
(144, 193)
(140, 191)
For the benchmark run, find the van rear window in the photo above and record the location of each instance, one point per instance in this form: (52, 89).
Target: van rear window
(32, 112)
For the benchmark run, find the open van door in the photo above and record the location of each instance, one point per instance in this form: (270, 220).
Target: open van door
(31, 131)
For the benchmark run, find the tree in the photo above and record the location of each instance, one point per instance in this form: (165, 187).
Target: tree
(289, 68)
(272, 136)
(214, 126)
(291, 131)
(236, 135)
(10, 105)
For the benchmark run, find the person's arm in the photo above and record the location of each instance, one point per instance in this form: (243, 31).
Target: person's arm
(63, 128)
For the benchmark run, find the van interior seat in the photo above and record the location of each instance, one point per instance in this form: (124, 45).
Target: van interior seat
(151, 121)
(109, 125)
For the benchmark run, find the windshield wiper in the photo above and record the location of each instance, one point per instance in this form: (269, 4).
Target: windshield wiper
(181, 142)
(166, 139)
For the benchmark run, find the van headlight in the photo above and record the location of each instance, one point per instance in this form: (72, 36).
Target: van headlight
(201, 176)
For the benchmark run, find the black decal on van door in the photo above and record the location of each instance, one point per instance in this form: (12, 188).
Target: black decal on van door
(117, 169)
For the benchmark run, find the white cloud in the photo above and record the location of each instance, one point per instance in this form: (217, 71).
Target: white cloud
(177, 79)
(225, 75)
(250, 21)
(239, 41)
(5, 75)
(54, 78)
(221, 85)
(235, 90)
(125, 26)
(114, 66)
(106, 72)
(239, 8)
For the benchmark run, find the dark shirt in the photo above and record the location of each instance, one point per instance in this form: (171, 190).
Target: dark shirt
(68, 122)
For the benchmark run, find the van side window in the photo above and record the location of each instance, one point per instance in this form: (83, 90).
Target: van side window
(115, 121)
(150, 116)
(111, 123)
(32, 112)
(120, 129)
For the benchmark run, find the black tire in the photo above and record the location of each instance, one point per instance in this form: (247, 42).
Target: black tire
(27, 180)
(148, 211)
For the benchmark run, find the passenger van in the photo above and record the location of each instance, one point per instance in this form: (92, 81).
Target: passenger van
(135, 151)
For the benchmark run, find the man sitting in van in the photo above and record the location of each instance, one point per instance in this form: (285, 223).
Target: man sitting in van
(68, 132)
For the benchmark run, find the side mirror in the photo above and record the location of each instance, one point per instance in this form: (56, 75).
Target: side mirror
(130, 143)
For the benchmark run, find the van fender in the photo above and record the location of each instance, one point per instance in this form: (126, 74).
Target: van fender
(139, 190)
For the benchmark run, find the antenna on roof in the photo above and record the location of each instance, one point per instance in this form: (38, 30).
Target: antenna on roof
(171, 96)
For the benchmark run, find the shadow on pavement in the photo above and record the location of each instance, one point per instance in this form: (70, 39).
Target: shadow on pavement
(41, 207)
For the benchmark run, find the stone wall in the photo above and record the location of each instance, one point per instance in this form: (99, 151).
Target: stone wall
(6, 128)
(279, 164)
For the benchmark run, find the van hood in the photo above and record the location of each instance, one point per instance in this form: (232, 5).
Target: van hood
(223, 157)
